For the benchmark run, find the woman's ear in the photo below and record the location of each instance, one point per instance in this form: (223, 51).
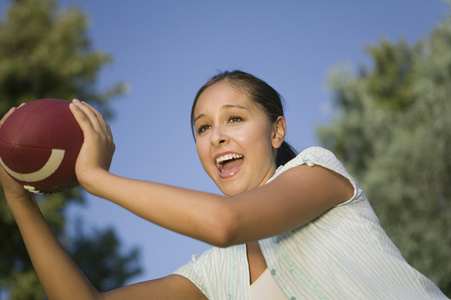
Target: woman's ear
(279, 132)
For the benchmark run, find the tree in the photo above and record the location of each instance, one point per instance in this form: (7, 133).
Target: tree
(391, 130)
(46, 53)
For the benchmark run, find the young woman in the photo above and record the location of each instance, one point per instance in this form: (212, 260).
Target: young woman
(290, 226)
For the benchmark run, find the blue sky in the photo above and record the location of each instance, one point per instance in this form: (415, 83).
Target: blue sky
(165, 50)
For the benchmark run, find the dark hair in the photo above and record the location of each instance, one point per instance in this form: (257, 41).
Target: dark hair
(261, 93)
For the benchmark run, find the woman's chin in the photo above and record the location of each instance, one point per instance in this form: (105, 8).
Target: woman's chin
(232, 190)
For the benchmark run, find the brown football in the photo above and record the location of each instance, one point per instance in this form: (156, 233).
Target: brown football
(39, 144)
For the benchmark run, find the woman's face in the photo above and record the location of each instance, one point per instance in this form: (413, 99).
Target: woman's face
(234, 139)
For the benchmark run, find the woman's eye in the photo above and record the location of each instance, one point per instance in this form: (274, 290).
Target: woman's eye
(202, 128)
(235, 119)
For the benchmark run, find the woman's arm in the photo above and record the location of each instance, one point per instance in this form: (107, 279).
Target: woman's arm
(58, 275)
(294, 198)
(291, 200)
(61, 278)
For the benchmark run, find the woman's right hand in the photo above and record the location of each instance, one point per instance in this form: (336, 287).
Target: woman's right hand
(98, 147)
(11, 188)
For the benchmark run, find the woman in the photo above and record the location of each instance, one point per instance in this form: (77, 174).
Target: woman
(289, 227)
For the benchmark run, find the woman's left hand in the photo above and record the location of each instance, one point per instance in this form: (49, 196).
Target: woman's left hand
(98, 147)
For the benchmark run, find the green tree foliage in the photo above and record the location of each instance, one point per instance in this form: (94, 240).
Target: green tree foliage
(392, 132)
(103, 248)
(46, 53)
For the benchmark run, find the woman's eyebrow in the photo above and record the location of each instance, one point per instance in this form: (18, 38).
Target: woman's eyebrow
(224, 107)
(228, 106)
(198, 117)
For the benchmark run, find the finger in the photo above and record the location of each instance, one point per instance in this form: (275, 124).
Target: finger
(13, 109)
(94, 116)
(91, 118)
(90, 114)
(81, 117)
(103, 125)
(87, 109)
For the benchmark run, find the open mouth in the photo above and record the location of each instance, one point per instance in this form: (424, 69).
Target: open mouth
(229, 164)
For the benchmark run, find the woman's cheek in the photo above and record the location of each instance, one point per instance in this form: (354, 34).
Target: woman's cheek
(203, 151)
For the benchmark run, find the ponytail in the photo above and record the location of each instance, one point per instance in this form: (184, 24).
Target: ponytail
(284, 154)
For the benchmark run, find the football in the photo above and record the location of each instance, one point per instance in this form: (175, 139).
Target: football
(39, 144)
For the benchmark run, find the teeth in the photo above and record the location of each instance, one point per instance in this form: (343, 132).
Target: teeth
(228, 157)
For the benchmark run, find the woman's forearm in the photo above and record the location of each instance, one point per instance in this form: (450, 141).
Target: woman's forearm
(58, 274)
(200, 215)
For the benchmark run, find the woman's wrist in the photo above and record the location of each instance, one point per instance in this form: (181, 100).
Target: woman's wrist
(17, 194)
(94, 181)
(20, 205)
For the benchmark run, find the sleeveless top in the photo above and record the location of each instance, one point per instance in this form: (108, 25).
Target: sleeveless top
(342, 254)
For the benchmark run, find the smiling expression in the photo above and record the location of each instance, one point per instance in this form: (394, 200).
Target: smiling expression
(235, 140)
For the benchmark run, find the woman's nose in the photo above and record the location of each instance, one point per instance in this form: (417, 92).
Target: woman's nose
(218, 137)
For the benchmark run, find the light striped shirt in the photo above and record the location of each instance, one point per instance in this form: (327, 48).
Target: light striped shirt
(342, 254)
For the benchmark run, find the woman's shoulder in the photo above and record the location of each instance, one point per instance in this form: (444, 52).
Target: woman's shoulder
(314, 156)
(325, 158)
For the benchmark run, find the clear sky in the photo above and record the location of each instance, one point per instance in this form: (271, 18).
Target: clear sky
(165, 50)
